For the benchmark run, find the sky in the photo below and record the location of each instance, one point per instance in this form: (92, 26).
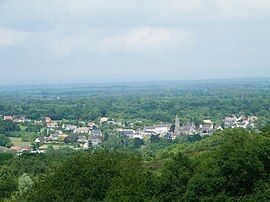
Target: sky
(68, 41)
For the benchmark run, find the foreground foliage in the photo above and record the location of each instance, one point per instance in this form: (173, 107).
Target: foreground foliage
(235, 165)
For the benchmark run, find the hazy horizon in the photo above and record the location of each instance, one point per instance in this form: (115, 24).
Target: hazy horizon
(89, 41)
(133, 82)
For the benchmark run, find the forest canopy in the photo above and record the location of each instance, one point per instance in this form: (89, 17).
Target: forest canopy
(230, 165)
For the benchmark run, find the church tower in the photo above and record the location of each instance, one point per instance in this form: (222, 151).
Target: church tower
(177, 126)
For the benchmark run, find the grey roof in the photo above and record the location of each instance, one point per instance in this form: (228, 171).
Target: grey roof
(96, 132)
(127, 132)
(81, 137)
(96, 137)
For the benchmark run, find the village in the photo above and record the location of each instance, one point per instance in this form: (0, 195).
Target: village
(58, 134)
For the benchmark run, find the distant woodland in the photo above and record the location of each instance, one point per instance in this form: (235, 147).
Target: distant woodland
(230, 165)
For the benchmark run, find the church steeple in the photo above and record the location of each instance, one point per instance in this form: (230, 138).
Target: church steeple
(177, 126)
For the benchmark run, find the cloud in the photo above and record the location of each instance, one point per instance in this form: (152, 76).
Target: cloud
(134, 11)
(66, 40)
(148, 40)
(135, 40)
(132, 36)
(237, 48)
(10, 37)
(239, 9)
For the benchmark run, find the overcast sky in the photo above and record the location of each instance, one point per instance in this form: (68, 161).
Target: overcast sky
(43, 41)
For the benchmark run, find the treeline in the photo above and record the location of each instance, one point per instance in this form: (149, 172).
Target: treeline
(232, 165)
(8, 126)
(192, 106)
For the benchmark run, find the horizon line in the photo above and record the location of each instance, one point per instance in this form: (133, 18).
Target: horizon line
(67, 83)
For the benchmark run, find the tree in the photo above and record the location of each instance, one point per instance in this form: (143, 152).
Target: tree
(7, 183)
(7, 126)
(33, 128)
(266, 130)
(5, 157)
(71, 138)
(174, 178)
(83, 176)
(114, 142)
(135, 143)
(132, 182)
(5, 141)
(25, 186)
(232, 170)
(154, 138)
(103, 112)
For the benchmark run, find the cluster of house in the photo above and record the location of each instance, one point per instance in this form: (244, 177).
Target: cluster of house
(86, 136)
(17, 148)
(16, 119)
(58, 134)
(240, 122)
(172, 131)
(91, 135)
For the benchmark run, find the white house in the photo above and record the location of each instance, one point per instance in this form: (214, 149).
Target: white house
(158, 129)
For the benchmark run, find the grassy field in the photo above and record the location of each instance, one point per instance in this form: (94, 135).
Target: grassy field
(55, 146)
(22, 127)
(18, 142)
